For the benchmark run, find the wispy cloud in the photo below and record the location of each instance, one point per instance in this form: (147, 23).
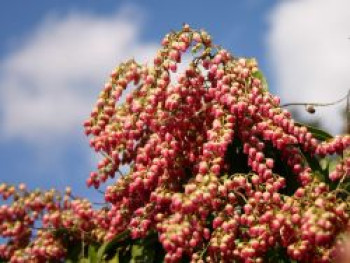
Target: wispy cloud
(49, 82)
(310, 49)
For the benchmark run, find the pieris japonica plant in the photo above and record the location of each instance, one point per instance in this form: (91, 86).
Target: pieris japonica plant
(217, 171)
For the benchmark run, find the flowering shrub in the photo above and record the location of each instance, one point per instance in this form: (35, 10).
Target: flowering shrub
(218, 172)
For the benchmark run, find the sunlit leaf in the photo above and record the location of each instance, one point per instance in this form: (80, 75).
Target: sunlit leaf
(317, 133)
(111, 245)
(92, 253)
(115, 259)
(258, 74)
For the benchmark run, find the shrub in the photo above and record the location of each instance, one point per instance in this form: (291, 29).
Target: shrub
(218, 172)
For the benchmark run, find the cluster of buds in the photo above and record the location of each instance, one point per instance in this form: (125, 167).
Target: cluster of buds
(342, 170)
(204, 147)
(31, 221)
(174, 131)
(315, 218)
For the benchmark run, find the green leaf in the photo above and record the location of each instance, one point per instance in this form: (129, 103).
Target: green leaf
(142, 253)
(328, 164)
(258, 74)
(313, 162)
(107, 247)
(333, 163)
(324, 162)
(317, 133)
(115, 259)
(144, 250)
(124, 254)
(136, 253)
(316, 167)
(92, 253)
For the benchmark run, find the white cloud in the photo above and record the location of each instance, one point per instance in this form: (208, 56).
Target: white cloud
(310, 49)
(49, 82)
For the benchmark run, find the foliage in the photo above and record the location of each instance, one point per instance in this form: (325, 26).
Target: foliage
(219, 172)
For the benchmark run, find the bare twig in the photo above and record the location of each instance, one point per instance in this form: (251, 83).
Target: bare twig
(316, 104)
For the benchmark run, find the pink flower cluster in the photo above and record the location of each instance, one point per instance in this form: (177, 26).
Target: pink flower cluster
(174, 130)
(31, 221)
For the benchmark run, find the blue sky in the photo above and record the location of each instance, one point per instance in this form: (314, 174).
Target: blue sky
(55, 56)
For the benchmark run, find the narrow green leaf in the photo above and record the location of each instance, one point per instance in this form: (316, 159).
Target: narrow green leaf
(124, 254)
(92, 253)
(317, 133)
(333, 163)
(329, 164)
(136, 252)
(108, 246)
(313, 162)
(258, 74)
(115, 259)
(142, 253)
(324, 162)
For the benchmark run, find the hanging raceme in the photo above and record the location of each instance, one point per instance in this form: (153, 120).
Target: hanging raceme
(218, 170)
